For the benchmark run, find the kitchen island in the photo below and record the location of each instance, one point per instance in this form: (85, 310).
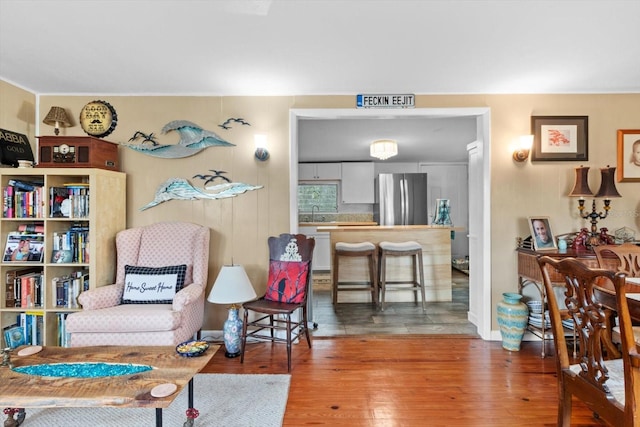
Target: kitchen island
(436, 254)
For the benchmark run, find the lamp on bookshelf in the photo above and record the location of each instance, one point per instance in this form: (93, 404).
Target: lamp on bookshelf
(57, 117)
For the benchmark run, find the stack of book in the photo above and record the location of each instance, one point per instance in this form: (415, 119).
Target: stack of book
(64, 338)
(70, 201)
(72, 245)
(26, 331)
(67, 288)
(23, 199)
(23, 287)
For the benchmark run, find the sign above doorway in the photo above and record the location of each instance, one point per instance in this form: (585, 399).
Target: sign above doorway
(386, 101)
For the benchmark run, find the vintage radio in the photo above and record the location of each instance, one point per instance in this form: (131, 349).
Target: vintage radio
(77, 152)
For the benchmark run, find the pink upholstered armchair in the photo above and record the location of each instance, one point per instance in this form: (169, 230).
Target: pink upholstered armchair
(105, 320)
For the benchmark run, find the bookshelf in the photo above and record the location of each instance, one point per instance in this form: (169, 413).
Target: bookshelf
(97, 217)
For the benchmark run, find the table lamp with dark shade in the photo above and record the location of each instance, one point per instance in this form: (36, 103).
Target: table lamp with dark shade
(607, 191)
(232, 286)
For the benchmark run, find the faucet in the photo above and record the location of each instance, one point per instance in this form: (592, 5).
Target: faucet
(312, 212)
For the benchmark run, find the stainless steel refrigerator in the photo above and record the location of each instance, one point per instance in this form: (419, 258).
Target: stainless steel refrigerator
(402, 199)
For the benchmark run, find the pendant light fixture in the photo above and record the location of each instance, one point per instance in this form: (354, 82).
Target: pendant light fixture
(383, 148)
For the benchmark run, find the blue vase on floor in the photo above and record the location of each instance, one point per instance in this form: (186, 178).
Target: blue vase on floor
(513, 315)
(232, 329)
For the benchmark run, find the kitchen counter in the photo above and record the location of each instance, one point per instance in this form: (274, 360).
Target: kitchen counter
(328, 226)
(436, 254)
(337, 223)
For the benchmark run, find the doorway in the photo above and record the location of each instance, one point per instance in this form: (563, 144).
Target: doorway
(479, 186)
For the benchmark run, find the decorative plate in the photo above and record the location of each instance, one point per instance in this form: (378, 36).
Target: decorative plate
(192, 348)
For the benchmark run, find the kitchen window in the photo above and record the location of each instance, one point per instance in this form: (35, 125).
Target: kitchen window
(323, 197)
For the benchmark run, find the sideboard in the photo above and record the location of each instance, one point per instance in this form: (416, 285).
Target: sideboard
(529, 274)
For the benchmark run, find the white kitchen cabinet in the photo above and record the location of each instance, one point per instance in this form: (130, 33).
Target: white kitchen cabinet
(319, 171)
(358, 182)
(322, 249)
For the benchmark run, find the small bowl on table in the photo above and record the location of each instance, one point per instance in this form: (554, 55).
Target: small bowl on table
(192, 348)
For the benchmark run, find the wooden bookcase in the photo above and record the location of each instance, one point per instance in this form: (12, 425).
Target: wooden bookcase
(106, 217)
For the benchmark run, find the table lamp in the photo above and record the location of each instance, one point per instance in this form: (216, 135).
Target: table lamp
(232, 286)
(57, 117)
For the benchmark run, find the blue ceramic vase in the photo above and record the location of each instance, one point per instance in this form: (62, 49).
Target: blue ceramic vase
(513, 315)
(232, 330)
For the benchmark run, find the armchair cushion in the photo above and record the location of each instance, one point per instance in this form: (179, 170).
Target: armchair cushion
(152, 285)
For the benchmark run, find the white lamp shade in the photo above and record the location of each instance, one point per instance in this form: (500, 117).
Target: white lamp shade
(232, 286)
(383, 148)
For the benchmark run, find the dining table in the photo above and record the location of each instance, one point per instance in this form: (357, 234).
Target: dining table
(606, 295)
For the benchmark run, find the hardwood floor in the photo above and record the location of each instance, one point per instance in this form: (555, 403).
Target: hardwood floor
(409, 380)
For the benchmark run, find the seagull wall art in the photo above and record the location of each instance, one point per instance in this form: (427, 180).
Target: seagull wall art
(181, 189)
(230, 120)
(193, 139)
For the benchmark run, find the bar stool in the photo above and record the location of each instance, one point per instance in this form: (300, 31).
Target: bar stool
(412, 249)
(363, 249)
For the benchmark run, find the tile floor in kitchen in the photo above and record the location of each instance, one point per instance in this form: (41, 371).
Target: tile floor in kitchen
(397, 318)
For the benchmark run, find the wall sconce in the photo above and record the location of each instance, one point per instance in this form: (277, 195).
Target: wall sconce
(607, 190)
(57, 117)
(521, 153)
(261, 147)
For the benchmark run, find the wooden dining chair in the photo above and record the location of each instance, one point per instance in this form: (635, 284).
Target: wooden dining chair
(628, 255)
(610, 388)
(628, 258)
(290, 257)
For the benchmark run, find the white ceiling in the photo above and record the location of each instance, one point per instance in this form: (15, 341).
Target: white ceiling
(322, 47)
(419, 139)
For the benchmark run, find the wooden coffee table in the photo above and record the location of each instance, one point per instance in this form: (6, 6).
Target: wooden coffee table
(125, 391)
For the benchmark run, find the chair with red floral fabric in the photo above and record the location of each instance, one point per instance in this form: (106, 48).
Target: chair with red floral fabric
(290, 258)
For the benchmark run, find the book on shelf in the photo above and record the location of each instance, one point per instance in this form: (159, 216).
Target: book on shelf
(31, 228)
(61, 256)
(59, 202)
(67, 288)
(24, 185)
(13, 285)
(24, 247)
(64, 338)
(79, 197)
(14, 336)
(31, 323)
(72, 245)
(70, 201)
(22, 204)
(31, 290)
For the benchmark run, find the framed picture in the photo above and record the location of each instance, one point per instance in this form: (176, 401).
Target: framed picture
(541, 234)
(562, 138)
(628, 155)
(23, 248)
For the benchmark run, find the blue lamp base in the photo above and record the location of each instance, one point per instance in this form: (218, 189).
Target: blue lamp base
(232, 330)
